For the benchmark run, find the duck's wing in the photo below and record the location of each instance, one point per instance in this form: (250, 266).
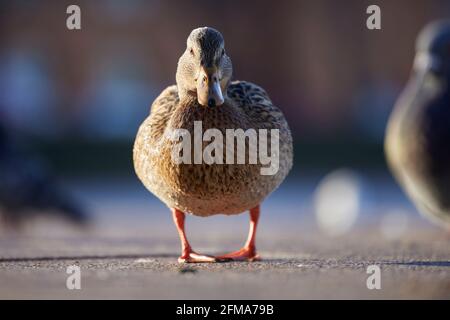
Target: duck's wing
(149, 140)
(161, 111)
(166, 101)
(255, 102)
(261, 113)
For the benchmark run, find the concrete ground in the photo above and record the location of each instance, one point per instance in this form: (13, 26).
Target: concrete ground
(296, 265)
(131, 248)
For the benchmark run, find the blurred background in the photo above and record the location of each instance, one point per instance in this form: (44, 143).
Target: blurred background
(72, 101)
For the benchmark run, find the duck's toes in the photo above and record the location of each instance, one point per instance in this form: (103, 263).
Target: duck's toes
(193, 257)
(244, 254)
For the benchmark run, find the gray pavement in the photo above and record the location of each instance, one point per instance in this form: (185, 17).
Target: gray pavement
(131, 248)
(299, 262)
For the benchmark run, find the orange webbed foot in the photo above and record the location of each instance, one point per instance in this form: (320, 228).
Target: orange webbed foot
(193, 257)
(244, 254)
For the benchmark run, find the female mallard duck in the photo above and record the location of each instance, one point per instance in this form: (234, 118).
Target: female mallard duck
(204, 92)
(418, 133)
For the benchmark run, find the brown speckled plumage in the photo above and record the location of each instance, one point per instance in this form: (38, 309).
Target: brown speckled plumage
(203, 189)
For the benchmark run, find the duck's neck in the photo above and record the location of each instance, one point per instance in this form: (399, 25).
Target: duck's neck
(187, 98)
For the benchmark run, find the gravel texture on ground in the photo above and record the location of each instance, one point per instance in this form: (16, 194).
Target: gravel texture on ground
(298, 264)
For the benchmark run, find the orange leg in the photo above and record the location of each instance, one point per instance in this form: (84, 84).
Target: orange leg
(248, 252)
(187, 254)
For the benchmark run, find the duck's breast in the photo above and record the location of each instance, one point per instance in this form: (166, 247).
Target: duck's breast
(220, 187)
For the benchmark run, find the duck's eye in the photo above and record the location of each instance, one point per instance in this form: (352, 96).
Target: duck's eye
(191, 51)
(223, 52)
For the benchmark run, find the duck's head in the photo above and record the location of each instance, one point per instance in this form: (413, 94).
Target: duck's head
(204, 70)
(433, 48)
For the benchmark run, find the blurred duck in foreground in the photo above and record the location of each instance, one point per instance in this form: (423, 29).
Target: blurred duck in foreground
(204, 92)
(28, 191)
(418, 134)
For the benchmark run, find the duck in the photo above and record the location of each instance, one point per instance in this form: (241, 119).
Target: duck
(206, 93)
(418, 131)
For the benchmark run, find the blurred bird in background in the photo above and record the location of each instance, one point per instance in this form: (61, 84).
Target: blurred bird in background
(28, 190)
(418, 134)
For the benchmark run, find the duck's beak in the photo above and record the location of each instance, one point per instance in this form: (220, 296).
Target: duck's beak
(209, 92)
